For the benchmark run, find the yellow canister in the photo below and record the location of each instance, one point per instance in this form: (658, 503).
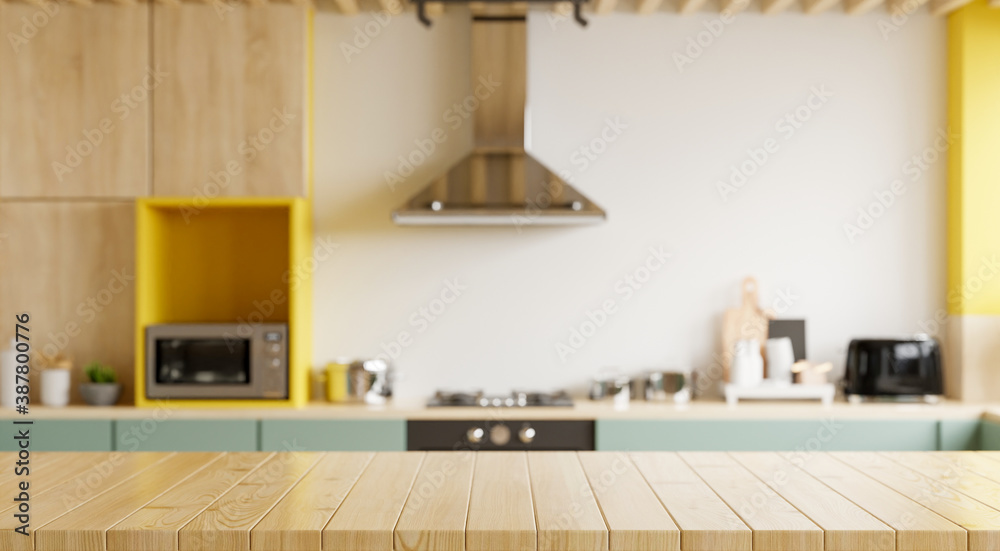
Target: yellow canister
(336, 380)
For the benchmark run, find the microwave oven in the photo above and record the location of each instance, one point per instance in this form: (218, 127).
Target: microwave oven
(210, 361)
(900, 369)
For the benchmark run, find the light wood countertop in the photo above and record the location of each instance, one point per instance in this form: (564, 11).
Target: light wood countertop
(514, 501)
(584, 409)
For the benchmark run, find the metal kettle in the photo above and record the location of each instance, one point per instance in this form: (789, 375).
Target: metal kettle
(369, 381)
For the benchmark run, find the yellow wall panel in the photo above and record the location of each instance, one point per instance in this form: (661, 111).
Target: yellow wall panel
(974, 162)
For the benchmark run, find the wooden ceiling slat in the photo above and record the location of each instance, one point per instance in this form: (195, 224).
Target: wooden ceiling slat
(605, 6)
(812, 7)
(646, 7)
(858, 7)
(690, 6)
(944, 7)
(771, 7)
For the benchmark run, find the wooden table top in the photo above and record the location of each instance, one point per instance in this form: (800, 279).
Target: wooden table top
(507, 501)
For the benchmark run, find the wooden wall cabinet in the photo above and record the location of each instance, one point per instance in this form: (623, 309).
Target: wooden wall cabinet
(230, 118)
(74, 100)
(71, 265)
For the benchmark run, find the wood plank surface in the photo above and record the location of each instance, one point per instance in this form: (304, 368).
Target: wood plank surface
(509, 501)
(952, 474)
(846, 527)
(501, 512)
(973, 462)
(154, 527)
(225, 525)
(84, 528)
(43, 469)
(296, 523)
(776, 525)
(110, 474)
(364, 522)
(981, 521)
(566, 512)
(635, 517)
(707, 523)
(917, 527)
(434, 516)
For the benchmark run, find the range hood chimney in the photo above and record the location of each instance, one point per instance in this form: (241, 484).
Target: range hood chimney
(499, 183)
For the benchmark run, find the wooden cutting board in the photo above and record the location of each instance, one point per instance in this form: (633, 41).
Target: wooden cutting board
(748, 321)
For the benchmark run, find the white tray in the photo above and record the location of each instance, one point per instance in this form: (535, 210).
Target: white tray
(781, 391)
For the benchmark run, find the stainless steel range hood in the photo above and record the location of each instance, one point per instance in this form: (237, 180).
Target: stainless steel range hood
(499, 183)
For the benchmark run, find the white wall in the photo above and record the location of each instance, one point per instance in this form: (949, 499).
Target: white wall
(525, 292)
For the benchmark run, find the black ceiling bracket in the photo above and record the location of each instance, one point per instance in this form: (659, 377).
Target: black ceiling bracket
(422, 8)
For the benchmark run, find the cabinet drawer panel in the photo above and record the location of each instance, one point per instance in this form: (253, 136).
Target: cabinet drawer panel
(149, 434)
(333, 435)
(959, 434)
(49, 435)
(766, 435)
(990, 436)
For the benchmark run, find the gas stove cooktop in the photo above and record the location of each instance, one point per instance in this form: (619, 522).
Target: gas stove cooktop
(513, 400)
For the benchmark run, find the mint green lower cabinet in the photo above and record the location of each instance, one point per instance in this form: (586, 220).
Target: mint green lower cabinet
(959, 434)
(182, 435)
(990, 436)
(51, 435)
(333, 435)
(766, 435)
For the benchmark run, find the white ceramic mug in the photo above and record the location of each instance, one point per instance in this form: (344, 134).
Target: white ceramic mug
(780, 357)
(55, 387)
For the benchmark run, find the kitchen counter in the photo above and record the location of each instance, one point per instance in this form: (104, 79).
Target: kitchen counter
(516, 501)
(584, 409)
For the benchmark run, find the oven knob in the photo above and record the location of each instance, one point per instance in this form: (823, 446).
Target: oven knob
(500, 435)
(275, 348)
(475, 435)
(526, 434)
(276, 363)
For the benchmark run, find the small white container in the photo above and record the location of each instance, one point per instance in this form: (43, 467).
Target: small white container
(748, 365)
(55, 387)
(780, 357)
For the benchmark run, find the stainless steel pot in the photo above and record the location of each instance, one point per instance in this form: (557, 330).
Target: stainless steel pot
(668, 386)
(616, 388)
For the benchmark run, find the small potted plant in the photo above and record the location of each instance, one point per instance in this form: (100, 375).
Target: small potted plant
(102, 388)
